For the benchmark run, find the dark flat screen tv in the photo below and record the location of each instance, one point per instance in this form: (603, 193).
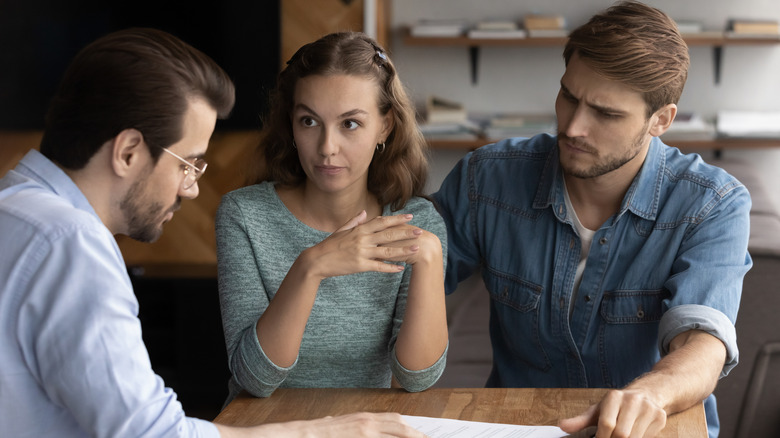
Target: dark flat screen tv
(39, 37)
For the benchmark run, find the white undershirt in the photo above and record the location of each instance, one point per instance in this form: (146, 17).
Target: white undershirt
(586, 237)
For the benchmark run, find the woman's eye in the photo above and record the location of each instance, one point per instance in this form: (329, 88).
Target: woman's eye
(308, 121)
(351, 124)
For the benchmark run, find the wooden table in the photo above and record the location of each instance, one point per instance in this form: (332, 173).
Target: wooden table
(526, 406)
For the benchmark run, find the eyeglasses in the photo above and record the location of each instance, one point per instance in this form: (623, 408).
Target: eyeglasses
(192, 171)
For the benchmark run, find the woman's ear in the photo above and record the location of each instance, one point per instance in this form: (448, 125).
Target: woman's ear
(387, 125)
(662, 119)
(126, 149)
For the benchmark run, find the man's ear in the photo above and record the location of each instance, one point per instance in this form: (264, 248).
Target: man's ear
(126, 151)
(662, 119)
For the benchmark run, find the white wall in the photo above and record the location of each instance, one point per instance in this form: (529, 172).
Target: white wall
(526, 79)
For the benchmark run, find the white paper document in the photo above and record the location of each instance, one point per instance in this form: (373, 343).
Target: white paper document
(448, 428)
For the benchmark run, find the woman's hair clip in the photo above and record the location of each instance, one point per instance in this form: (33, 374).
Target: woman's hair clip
(381, 59)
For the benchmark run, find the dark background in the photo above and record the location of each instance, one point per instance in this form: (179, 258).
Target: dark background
(39, 37)
(180, 317)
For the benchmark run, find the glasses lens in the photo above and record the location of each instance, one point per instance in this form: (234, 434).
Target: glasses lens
(195, 171)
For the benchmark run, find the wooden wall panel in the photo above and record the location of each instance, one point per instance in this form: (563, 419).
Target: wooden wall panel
(187, 246)
(304, 21)
(188, 243)
(14, 145)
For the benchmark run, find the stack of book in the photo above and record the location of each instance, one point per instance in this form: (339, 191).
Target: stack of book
(438, 28)
(690, 126)
(689, 27)
(504, 125)
(753, 28)
(440, 110)
(749, 124)
(496, 29)
(545, 25)
(447, 119)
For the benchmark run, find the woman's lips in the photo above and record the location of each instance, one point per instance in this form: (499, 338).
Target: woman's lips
(329, 170)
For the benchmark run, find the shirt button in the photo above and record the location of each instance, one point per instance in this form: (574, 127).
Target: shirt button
(603, 240)
(587, 298)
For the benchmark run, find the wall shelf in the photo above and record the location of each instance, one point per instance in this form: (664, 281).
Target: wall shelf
(716, 40)
(716, 144)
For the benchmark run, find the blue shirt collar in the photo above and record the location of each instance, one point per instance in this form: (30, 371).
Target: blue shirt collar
(642, 195)
(36, 166)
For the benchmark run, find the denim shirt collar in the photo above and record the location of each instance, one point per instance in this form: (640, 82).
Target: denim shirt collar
(641, 198)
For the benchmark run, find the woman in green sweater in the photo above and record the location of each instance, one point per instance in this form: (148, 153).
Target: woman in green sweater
(331, 264)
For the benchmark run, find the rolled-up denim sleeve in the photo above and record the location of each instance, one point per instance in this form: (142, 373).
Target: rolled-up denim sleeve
(681, 319)
(708, 272)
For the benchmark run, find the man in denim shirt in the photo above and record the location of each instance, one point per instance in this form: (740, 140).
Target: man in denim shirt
(612, 260)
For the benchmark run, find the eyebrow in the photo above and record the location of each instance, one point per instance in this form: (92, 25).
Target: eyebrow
(349, 113)
(601, 108)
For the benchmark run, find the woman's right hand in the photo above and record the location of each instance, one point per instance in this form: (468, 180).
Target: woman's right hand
(361, 246)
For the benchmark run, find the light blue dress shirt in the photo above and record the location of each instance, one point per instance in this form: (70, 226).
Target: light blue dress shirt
(670, 260)
(72, 361)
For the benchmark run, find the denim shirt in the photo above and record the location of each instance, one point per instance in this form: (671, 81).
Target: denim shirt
(670, 260)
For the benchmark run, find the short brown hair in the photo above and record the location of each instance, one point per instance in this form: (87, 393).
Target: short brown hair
(134, 78)
(395, 174)
(636, 45)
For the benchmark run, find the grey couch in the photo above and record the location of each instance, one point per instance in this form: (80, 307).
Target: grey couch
(758, 327)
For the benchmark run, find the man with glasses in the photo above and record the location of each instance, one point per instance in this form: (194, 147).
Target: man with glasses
(192, 170)
(123, 144)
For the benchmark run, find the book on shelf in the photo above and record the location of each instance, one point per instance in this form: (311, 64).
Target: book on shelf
(496, 24)
(690, 126)
(538, 21)
(438, 28)
(748, 124)
(440, 110)
(496, 28)
(465, 130)
(752, 28)
(547, 33)
(509, 124)
(496, 34)
(545, 25)
(689, 27)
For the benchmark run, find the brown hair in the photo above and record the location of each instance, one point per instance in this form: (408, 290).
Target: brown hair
(636, 45)
(134, 78)
(395, 174)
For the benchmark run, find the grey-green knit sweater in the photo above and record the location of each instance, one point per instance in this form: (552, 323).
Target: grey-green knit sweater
(349, 339)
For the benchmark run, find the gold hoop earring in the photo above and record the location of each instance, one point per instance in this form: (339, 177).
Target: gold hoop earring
(380, 147)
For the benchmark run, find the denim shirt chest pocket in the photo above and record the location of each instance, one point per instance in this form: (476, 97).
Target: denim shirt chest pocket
(630, 321)
(516, 305)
